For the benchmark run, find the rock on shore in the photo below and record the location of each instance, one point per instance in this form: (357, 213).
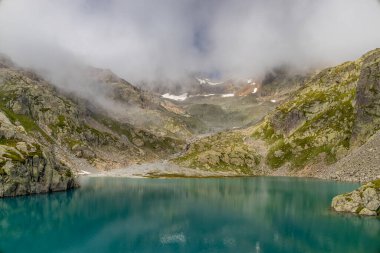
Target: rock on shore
(363, 201)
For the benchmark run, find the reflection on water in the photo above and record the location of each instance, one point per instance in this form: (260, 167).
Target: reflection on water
(187, 215)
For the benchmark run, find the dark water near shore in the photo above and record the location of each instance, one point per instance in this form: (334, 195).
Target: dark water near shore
(187, 215)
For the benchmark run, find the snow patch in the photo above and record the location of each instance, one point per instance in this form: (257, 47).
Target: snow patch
(254, 91)
(207, 81)
(213, 84)
(251, 82)
(201, 95)
(273, 101)
(201, 81)
(182, 97)
(228, 95)
(83, 172)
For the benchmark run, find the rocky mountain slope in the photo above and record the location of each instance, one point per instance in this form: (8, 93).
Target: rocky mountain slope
(220, 114)
(28, 166)
(49, 134)
(236, 103)
(331, 115)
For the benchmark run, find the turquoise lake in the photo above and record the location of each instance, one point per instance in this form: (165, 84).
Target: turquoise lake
(187, 215)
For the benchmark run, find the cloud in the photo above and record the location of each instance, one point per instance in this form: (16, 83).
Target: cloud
(150, 40)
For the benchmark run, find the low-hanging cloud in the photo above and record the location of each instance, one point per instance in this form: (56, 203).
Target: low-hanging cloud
(150, 40)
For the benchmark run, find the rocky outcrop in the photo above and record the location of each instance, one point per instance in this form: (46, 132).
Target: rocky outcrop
(33, 175)
(226, 152)
(367, 98)
(26, 165)
(363, 201)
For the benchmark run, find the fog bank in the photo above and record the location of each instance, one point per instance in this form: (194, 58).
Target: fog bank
(150, 40)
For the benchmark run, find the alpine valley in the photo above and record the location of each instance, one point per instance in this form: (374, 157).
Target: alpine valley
(321, 124)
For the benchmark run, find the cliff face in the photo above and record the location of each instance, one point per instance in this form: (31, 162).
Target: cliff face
(27, 166)
(367, 107)
(332, 114)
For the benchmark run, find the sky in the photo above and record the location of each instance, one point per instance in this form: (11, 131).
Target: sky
(148, 40)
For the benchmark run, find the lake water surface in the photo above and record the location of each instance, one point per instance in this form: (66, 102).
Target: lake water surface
(187, 215)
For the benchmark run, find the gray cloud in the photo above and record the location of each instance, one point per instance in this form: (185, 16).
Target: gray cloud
(168, 39)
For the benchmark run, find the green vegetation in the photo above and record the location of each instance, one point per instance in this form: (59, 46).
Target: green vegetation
(45, 109)
(278, 154)
(38, 151)
(376, 183)
(267, 133)
(14, 156)
(20, 155)
(149, 140)
(359, 209)
(316, 125)
(317, 121)
(27, 123)
(60, 125)
(11, 142)
(2, 171)
(72, 142)
(68, 173)
(222, 152)
(61, 122)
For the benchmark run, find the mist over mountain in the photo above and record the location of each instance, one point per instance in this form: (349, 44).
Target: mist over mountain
(147, 41)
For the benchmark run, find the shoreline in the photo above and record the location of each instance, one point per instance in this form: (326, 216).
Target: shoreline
(167, 170)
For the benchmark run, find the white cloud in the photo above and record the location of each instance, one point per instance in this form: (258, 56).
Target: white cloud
(168, 39)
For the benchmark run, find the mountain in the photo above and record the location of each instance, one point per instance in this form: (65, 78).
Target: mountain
(49, 134)
(328, 118)
(231, 103)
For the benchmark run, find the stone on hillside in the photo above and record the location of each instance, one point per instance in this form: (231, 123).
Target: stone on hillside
(21, 146)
